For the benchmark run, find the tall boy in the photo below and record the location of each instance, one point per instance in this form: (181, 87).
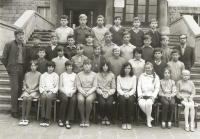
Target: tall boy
(89, 46)
(51, 51)
(60, 61)
(99, 31)
(81, 30)
(166, 51)
(176, 66)
(127, 48)
(33, 49)
(117, 31)
(155, 35)
(137, 34)
(41, 60)
(70, 50)
(147, 50)
(63, 31)
(158, 64)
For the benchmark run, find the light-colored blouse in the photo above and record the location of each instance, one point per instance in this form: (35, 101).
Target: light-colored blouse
(138, 66)
(167, 87)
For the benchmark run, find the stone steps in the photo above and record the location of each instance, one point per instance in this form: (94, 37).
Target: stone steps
(5, 108)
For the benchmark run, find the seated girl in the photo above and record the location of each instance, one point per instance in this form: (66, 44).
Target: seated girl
(67, 96)
(31, 91)
(147, 89)
(185, 93)
(126, 88)
(48, 90)
(86, 82)
(105, 90)
(166, 97)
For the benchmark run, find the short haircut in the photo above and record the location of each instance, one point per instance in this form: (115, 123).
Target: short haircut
(96, 46)
(126, 33)
(116, 48)
(41, 49)
(60, 48)
(116, 17)
(183, 35)
(35, 62)
(136, 18)
(100, 16)
(82, 16)
(87, 61)
(64, 17)
(68, 62)
(123, 74)
(103, 63)
(164, 37)
(138, 50)
(157, 50)
(50, 64)
(146, 37)
(108, 33)
(88, 34)
(154, 20)
(53, 35)
(175, 51)
(81, 46)
(36, 36)
(18, 31)
(70, 36)
(185, 72)
(167, 68)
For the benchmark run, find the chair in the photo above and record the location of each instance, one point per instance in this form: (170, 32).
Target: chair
(158, 111)
(180, 106)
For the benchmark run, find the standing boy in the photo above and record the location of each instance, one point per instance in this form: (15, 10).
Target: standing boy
(137, 34)
(81, 30)
(147, 50)
(41, 60)
(63, 31)
(33, 49)
(155, 35)
(166, 51)
(117, 31)
(70, 50)
(99, 31)
(89, 46)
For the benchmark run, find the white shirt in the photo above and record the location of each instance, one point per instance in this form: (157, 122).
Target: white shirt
(63, 33)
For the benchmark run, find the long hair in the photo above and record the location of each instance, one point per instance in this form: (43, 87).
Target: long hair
(104, 62)
(122, 74)
(168, 70)
(153, 72)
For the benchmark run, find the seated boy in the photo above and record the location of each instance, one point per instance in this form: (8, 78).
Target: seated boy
(165, 49)
(41, 60)
(147, 50)
(89, 46)
(70, 50)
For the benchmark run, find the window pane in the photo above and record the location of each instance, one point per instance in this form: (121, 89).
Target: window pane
(141, 2)
(129, 17)
(152, 2)
(129, 8)
(142, 17)
(119, 14)
(153, 9)
(129, 1)
(118, 9)
(48, 14)
(141, 9)
(152, 16)
(41, 11)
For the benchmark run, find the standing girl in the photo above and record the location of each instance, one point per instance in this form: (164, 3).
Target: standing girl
(147, 89)
(31, 91)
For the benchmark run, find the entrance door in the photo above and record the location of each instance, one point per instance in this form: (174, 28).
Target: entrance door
(144, 9)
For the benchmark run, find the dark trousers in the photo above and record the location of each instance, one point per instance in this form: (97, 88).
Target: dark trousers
(167, 106)
(67, 107)
(46, 105)
(106, 106)
(16, 84)
(126, 108)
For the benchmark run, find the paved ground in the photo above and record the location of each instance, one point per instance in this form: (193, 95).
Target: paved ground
(9, 129)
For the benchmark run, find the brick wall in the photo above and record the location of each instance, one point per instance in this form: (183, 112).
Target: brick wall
(13, 9)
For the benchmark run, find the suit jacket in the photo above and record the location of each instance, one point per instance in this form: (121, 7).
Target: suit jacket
(188, 57)
(50, 54)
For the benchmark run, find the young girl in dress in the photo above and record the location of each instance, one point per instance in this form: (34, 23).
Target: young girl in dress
(166, 97)
(185, 93)
(31, 91)
(147, 89)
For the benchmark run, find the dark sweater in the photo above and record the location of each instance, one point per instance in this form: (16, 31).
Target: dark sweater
(88, 50)
(136, 38)
(155, 38)
(32, 53)
(50, 54)
(69, 52)
(117, 35)
(42, 66)
(147, 53)
(159, 69)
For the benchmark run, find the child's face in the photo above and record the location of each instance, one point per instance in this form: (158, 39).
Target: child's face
(126, 38)
(185, 76)
(41, 54)
(136, 23)
(153, 25)
(117, 21)
(60, 53)
(137, 55)
(69, 68)
(87, 67)
(147, 42)
(33, 67)
(100, 21)
(108, 38)
(148, 69)
(50, 69)
(127, 70)
(166, 74)
(97, 50)
(63, 22)
(36, 40)
(116, 52)
(157, 55)
(175, 56)
(70, 41)
(79, 51)
(89, 39)
(105, 68)
(165, 42)
(54, 40)
(83, 21)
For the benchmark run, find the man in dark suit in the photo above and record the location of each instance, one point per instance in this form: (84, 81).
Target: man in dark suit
(187, 54)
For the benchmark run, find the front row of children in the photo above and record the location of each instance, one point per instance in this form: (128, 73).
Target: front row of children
(101, 86)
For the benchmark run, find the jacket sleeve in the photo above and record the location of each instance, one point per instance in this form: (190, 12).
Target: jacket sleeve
(192, 57)
(119, 89)
(41, 86)
(5, 55)
(157, 87)
(132, 91)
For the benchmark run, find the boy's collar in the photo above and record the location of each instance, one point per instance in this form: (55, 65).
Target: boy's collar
(72, 46)
(136, 30)
(90, 44)
(146, 46)
(83, 27)
(63, 57)
(64, 27)
(153, 30)
(117, 26)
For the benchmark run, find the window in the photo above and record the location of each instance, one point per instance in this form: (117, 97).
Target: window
(44, 11)
(129, 10)
(1, 11)
(153, 10)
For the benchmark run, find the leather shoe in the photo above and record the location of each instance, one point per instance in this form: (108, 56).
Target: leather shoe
(15, 115)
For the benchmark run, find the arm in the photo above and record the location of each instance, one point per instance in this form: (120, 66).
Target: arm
(5, 55)
(41, 86)
(139, 86)
(119, 89)
(75, 35)
(193, 90)
(174, 91)
(78, 84)
(24, 84)
(157, 87)
(112, 85)
(72, 32)
(132, 91)
(61, 88)
(178, 91)
(161, 91)
(192, 57)
(94, 86)
(56, 82)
